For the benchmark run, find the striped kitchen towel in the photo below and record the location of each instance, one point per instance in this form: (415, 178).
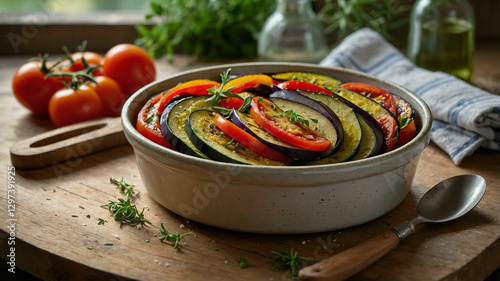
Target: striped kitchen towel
(465, 117)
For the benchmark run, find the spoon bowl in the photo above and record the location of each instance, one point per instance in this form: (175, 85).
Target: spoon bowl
(451, 198)
(447, 200)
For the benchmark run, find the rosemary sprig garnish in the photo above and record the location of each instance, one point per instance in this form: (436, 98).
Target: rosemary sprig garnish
(218, 94)
(126, 188)
(294, 117)
(290, 261)
(174, 238)
(125, 212)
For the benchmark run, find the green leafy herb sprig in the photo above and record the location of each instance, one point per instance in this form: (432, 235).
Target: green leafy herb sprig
(126, 188)
(289, 260)
(222, 29)
(218, 94)
(125, 212)
(294, 117)
(174, 238)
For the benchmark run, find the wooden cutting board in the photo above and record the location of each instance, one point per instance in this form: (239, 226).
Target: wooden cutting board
(57, 235)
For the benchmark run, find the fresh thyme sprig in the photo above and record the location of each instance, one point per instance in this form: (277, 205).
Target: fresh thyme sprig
(125, 212)
(126, 188)
(174, 238)
(290, 261)
(218, 94)
(294, 117)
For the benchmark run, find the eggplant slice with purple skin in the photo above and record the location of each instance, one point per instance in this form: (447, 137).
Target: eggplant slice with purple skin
(173, 123)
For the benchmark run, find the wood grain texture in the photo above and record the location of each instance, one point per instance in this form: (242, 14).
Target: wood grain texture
(58, 237)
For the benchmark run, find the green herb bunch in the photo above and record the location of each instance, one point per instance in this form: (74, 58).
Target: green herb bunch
(342, 17)
(222, 29)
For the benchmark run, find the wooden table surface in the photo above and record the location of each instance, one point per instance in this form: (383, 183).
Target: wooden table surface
(57, 235)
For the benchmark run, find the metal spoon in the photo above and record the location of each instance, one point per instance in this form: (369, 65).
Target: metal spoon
(446, 201)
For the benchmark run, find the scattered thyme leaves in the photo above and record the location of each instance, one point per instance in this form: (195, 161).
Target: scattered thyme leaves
(289, 260)
(101, 221)
(174, 238)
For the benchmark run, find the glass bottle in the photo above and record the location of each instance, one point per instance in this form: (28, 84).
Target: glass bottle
(292, 33)
(441, 36)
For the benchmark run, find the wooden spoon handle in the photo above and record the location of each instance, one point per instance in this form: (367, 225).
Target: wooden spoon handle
(67, 142)
(351, 261)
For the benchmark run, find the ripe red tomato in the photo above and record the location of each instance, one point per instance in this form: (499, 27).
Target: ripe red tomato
(69, 106)
(91, 58)
(130, 66)
(110, 94)
(31, 88)
(148, 122)
(389, 126)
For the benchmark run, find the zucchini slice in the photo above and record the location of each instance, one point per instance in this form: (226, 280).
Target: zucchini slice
(173, 123)
(322, 80)
(352, 129)
(372, 141)
(367, 104)
(217, 145)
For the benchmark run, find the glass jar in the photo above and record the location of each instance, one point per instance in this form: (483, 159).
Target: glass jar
(292, 33)
(441, 36)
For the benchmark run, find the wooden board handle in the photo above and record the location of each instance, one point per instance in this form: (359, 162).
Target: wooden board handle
(351, 261)
(67, 142)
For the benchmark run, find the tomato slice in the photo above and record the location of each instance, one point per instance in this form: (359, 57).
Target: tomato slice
(193, 87)
(407, 133)
(378, 94)
(248, 140)
(304, 86)
(148, 121)
(264, 112)
(243, 83)
(389, 126)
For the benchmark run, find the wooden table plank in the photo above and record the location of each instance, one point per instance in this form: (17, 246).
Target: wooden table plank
(56, 240)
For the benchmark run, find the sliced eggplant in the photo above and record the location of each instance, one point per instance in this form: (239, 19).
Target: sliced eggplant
(326, 123)
(217, 145)
(315, 78)
(353, 133)
(373, 108)
(246, 122)
(173, 123)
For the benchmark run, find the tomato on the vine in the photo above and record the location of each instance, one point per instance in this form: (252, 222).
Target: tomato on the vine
(31, 88)
(69, 106)
(130, 66)
(110, 94)
(92, 59)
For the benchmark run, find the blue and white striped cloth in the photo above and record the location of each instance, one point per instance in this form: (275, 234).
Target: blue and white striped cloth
(465, 117)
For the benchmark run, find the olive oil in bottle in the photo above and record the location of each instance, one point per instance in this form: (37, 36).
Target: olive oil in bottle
(442, 36)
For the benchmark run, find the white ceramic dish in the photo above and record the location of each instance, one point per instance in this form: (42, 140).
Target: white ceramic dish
(278, 200)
